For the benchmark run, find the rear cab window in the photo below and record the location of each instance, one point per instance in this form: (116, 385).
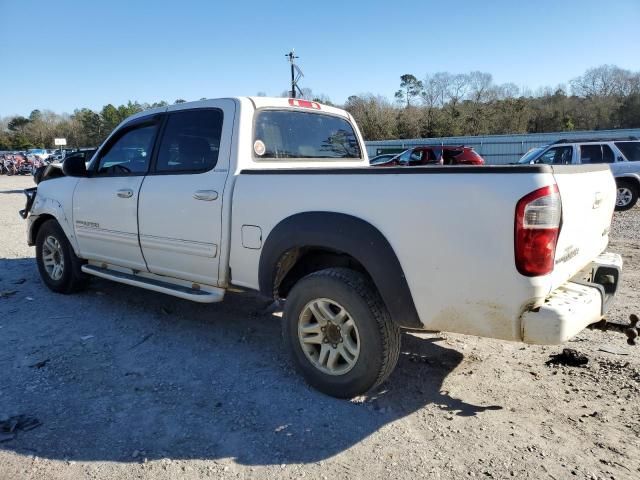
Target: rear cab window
(293, 134)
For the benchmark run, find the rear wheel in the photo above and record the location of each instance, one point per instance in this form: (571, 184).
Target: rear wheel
(340, 335)
(627, 195)
(57, 262)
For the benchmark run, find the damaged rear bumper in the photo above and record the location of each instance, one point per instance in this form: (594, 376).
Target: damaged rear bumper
(572, 307)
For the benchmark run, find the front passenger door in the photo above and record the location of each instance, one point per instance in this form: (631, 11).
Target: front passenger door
(105, 205)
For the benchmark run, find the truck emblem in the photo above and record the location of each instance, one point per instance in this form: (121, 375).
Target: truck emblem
(84, 223)
(568, 254)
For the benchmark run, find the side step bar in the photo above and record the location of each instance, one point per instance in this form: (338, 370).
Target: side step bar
(200, 296)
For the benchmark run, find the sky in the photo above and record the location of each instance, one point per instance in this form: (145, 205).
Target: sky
(67, 54)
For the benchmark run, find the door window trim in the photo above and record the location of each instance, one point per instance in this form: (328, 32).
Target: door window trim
(161, 131)
(155, 119)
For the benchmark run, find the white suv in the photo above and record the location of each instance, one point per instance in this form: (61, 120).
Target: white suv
(622, 154)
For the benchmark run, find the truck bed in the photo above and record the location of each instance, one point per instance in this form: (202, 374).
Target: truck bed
(452, 229)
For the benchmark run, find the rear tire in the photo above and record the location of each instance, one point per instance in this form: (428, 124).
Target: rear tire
(58, 264)
(339, 332)
(627, 195)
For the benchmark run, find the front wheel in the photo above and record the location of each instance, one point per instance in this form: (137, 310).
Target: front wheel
(627, 195)
(58, 264)
(340, 334)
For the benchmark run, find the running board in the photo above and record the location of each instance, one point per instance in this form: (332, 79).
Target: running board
(195, 295)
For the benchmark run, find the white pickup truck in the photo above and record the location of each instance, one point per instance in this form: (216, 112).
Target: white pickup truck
(277, 195)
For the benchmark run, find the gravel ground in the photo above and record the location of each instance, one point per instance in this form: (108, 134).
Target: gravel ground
(133, 384)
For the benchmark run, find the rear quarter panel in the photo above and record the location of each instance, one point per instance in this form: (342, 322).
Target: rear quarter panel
(452, 234)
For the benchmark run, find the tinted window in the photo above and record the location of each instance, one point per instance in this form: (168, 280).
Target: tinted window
(130, 153)
(607, 154)
(292, 134)
(449, 156)
(631, 150)
(190, 142)
(591, 154)
(556, 156)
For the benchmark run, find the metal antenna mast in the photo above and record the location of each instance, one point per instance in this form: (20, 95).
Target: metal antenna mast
(294, 69)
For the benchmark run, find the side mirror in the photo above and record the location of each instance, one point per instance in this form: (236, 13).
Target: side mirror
(74, 167)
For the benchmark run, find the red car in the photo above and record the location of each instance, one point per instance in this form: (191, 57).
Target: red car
(433, 155)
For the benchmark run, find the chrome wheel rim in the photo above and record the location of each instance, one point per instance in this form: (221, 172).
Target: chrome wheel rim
(624, 196)
(52, 257)
(328, 336)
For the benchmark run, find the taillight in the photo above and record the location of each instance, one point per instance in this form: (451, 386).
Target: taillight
(536, 231)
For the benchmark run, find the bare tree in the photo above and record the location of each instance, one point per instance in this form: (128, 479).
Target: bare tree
(606, 81)
(479, 86)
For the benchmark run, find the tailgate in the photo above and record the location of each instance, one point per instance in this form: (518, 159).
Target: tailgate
(588, 194)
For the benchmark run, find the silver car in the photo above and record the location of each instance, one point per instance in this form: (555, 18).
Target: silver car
(622, 155)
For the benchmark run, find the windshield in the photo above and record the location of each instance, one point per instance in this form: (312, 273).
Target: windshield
(381, 159)
(295, 134)
(405, 156)
(531, 154)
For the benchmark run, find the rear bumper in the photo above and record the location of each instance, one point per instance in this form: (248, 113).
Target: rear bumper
(575, 305)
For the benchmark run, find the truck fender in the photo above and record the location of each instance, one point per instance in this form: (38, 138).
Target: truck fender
(629, 176)
(44, 209)
(348, 235)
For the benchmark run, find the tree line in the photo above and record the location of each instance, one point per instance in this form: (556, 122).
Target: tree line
(83, 128)
(445, 104)
(440, 105)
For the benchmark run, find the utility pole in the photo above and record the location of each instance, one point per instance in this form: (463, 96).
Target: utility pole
(294, 68)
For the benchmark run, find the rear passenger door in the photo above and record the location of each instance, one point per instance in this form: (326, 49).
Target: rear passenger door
(180, 211)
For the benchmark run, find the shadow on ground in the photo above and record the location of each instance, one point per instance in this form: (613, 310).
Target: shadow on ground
(12, 191)
(131, 374)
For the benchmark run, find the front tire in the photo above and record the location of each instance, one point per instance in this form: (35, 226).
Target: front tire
(627, 195)
(339, 332)
(57, 262)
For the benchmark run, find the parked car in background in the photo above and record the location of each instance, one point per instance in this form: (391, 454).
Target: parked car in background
(60, 155)
(382, 159)
(85, 153)
(622, 155)
(434, 155)
(54, 169)
(39, 153)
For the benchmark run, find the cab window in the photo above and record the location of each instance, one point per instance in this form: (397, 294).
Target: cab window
(130, 153)
(191, 141)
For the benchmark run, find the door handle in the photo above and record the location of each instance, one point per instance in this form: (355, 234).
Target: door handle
(125, 193)
(206, 195)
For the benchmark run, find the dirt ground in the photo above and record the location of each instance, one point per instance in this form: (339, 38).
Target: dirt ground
(132, 384)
